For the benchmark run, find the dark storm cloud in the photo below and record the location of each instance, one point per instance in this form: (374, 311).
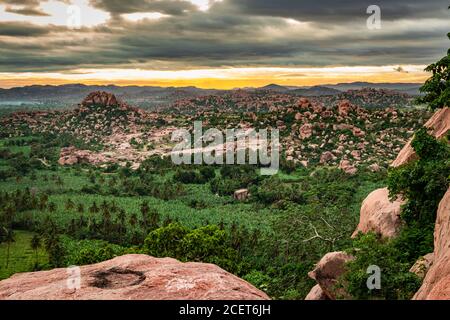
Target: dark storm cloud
(23, 7)
(21, 29)
(326, 11)
(27, 11)
(233, 33)
(171, 7)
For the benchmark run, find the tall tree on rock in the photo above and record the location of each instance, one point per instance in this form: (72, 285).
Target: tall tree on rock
(437, 87)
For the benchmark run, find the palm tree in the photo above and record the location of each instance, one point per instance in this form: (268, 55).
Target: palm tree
(35, 244)
(133, 219)
(121, 217)
(51, 207)
(53, 245)
(69, 204)
(104, 206)
(94, 208)
(80, 208)
(9, 237)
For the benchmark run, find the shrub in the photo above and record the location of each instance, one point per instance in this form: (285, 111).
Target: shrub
(397, 283)
(205, 244)
(188, 176)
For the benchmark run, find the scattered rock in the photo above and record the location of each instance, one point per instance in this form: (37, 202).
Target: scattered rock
(326, 157)
(241, 194)
(374, 167)
(347, 167)
(72, 155)
(327, 272)
(306, 131)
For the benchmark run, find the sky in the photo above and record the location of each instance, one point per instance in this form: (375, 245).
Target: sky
(219, 44)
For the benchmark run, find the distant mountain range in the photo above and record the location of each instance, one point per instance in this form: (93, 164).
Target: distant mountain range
(333, 89)
(151, 96)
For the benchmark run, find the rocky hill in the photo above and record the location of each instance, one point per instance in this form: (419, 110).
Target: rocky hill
(381, 215)
(110, 130)
(337, 133)
(340, 134)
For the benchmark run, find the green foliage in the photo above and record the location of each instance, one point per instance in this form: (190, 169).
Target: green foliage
(422, 183)
(84, 252)
(397, 283)
(204, 244)
(188, 176)
(22, 256)
(273, 189)
(437, 87)
(234, 177)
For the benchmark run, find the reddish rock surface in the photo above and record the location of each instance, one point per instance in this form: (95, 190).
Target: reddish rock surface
(379, 215)
(347, 167)
(344, 108)
(316, 293)
(422, 265)
(100, 98)
(132, 277)
(72, 155)
(306, 131)
(438, 125)
(326, 157)
(436, 285)
(327, 272)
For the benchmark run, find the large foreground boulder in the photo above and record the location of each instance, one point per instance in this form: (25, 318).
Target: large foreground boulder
(327, 273)
(438, 125)
(380, 215)
(132, 277)
(436, 285)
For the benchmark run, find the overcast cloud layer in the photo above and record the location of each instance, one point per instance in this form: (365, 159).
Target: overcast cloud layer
(229, 33)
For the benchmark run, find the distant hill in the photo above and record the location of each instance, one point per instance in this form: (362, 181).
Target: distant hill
(409, 88)
(71, 94)
(273, 87)
(333, 89)
(316, 91)
(152, 97)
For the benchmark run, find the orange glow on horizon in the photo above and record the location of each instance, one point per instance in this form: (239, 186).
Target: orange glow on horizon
(219, 78)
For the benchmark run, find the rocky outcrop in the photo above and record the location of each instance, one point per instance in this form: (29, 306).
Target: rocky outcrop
(306, 131)
(436, 285)
(326, 157)
(344, 108)
(131, 277)
(72, 155)
(327, 272)
(379, 215)
(438, 125)
(100, 98)
(347, 167)
(422, 265)
(241, 194)
(316, 293)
